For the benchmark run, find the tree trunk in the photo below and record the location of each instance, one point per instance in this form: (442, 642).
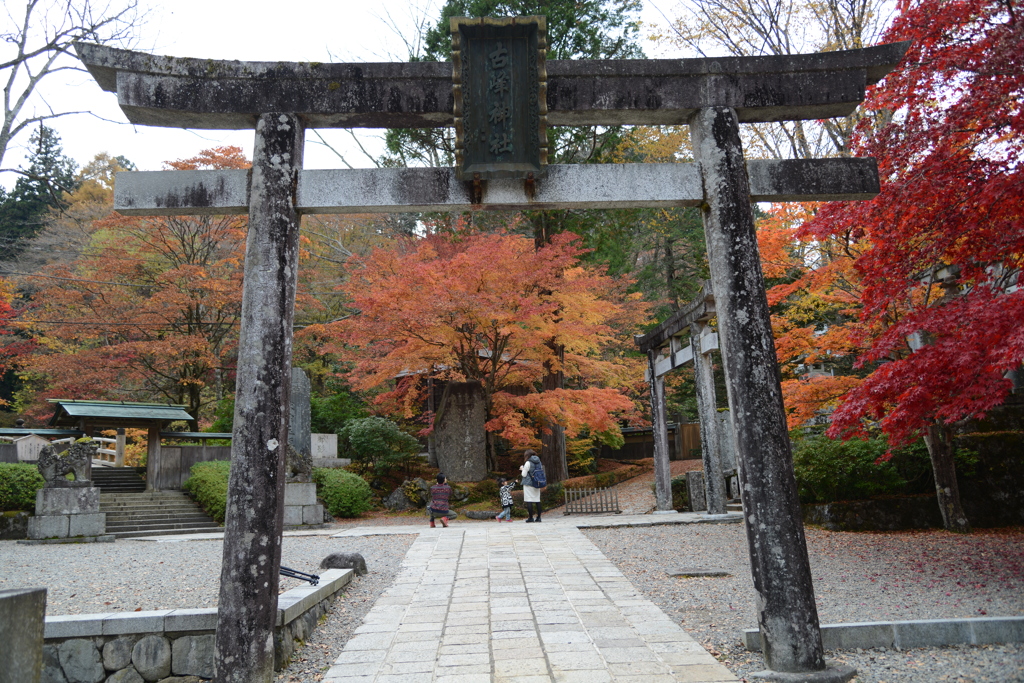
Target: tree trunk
(939, 439)
(552, 440)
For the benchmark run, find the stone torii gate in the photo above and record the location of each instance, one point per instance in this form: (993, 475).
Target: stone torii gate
(280, 100)
(692, 320)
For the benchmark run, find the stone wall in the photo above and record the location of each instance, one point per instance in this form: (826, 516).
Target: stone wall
(132, 647)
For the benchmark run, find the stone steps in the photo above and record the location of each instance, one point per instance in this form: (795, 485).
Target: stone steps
(117, 479)
(153, 513)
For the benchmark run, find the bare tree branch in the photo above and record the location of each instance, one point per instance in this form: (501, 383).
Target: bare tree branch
(34, 47)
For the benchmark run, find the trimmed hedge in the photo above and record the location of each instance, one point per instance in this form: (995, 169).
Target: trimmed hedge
(18, 485)
(208, 486)
(344, 493)
(829, 470)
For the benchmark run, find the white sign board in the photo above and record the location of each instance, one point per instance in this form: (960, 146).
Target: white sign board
(29, 447)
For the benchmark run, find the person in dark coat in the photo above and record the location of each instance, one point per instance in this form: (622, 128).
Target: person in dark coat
(440, 493)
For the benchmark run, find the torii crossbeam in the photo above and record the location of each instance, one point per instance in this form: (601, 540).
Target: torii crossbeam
(280, 100)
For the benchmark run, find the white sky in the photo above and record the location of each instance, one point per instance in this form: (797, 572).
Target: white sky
(299, 30)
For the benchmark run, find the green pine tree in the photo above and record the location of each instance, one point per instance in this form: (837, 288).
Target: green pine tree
(41, 187)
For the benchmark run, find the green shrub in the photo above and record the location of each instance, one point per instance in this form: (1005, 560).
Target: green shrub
(377, 444)
(18, 485)
(328, 414)
(344, 493)
(828, 470)
(680, 494)
(208, 486)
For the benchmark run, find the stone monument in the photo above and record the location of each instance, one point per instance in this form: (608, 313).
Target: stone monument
(300, 418)
(300, 505)
(459, 436)
(67, 509)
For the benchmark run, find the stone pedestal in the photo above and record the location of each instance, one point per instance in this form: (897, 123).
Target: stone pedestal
(69, 513)
(22, 611)
(695, 489)
(300, 506)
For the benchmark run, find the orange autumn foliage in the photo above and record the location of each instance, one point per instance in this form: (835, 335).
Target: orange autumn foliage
(484, 307)
(149, 312)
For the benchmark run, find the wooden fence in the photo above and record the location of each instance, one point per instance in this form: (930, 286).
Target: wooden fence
(683, 443)
(591, 500)
(176, 463)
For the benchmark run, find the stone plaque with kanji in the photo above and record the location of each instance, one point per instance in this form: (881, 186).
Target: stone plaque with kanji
(500, 89)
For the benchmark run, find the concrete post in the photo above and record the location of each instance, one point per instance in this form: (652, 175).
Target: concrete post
(247, 608)
(710, 442)
(119, 448)
(662, 471)
(153, 457)
(781, 572)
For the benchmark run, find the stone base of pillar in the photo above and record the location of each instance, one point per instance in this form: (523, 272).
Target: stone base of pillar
(665, 512)
(833, 673)
(300, 506)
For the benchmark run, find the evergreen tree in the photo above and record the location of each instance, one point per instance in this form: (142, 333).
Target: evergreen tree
(40, 188)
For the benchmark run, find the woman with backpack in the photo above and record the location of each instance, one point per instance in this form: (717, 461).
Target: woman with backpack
(533, 481)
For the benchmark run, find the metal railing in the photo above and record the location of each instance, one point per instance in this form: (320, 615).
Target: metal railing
(591, 501)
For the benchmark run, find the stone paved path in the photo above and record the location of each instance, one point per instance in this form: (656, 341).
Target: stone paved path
(518, 603)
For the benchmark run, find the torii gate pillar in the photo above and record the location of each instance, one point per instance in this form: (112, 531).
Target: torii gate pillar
(786, 612)
(262, 389)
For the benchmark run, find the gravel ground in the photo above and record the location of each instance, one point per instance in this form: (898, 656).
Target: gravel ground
(384, 559)
(857, 577)
(148, 576)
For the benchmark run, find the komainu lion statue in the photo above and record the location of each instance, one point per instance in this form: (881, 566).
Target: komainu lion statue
(75, 460)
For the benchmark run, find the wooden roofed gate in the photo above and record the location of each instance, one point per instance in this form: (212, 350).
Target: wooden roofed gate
(713, 96)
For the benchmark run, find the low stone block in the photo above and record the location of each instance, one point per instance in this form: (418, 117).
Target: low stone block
(13, 525)
(193, 656)
(67, 501)
(998, 630)
(126, 675)
(863, 635)
(292, 515)
(695, 489)
(48, 526)
(932, 633)
(92, 524)
(121, 623)
(74, 625)
(312, 514)
(22, 611)
(178, 620)
(80, 661)
(331, 462)
(117, 654)
(151, 657)
(299, 494)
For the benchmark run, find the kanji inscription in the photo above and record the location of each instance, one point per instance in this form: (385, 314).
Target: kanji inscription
(500, 88)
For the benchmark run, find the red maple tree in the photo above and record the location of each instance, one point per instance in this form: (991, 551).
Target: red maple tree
(943, 307)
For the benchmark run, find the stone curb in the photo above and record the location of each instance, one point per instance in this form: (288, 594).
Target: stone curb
(911, 634)
(290, 605)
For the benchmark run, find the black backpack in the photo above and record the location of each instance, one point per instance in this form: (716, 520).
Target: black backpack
(537, 474)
